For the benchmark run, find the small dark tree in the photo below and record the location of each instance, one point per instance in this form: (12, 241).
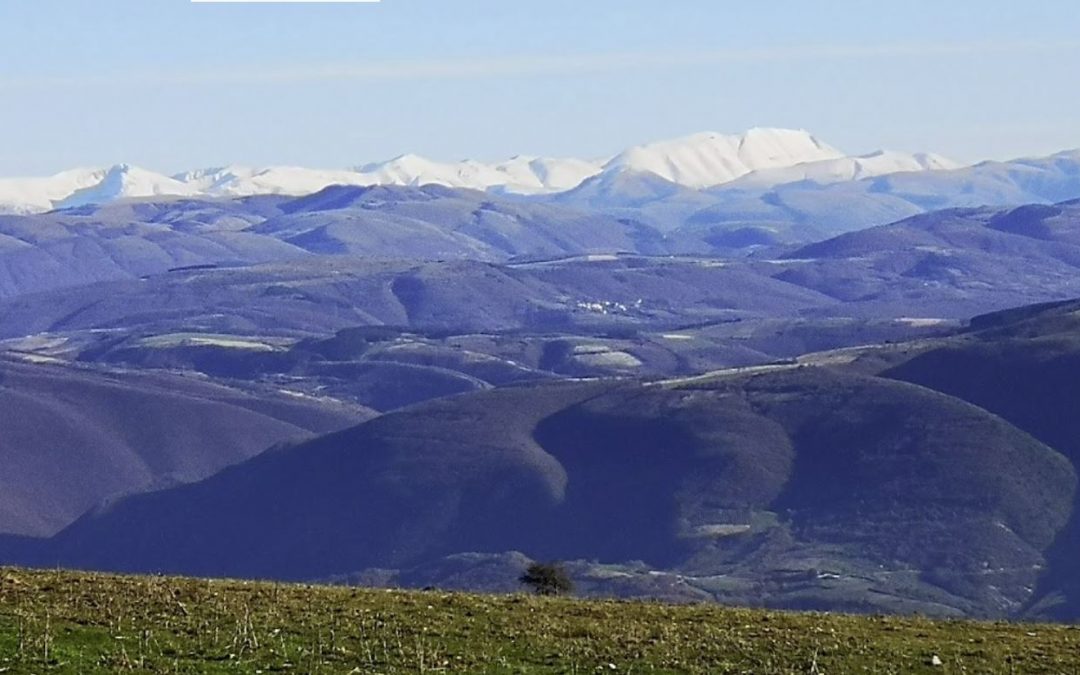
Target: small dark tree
(547, 579)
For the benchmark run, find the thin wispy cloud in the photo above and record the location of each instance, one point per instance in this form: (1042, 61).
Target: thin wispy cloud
(526, 65)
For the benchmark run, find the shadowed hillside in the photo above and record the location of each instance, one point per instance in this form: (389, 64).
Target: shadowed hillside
(753, 477)
(1023, 365)
(70, 437)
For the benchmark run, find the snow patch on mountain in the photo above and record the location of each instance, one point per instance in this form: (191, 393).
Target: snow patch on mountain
(544, 174)
(521, 175)
(842, 169)
(242, 181)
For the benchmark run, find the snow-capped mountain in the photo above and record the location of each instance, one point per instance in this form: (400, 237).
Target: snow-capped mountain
(32, 195)
(710, 159)
(127, 182)
(758, 158)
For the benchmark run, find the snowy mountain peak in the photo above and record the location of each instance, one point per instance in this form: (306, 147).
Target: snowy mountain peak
(710, 159)
(407, 160)
(799, 140)
(124, 181)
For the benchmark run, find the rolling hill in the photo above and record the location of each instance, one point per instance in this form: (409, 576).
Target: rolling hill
(804, 481)
(944, 265)
(129, 240)
(72, 438)
(961, 258)
(1022, 365)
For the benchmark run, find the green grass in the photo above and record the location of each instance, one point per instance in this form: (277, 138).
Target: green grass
(87, 623)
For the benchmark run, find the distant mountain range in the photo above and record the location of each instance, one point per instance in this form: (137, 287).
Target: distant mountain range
(761, 156)
(765, 186)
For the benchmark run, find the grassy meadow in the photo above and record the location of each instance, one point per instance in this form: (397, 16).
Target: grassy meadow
(67, 622)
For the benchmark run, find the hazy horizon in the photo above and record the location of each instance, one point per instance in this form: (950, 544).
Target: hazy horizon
(174, 86)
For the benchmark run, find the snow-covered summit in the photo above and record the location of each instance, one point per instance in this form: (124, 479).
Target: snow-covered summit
(126, 182)
(32, 195)
(710, 159)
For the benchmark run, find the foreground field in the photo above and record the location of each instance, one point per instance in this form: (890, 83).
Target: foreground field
(84, 623)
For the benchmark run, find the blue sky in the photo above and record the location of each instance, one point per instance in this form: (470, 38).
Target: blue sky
(172, 85)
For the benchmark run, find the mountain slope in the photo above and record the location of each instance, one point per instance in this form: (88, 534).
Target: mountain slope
(127, 240)
(73, 437)
(1023, 365)
(962, 258)
(841, 169)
